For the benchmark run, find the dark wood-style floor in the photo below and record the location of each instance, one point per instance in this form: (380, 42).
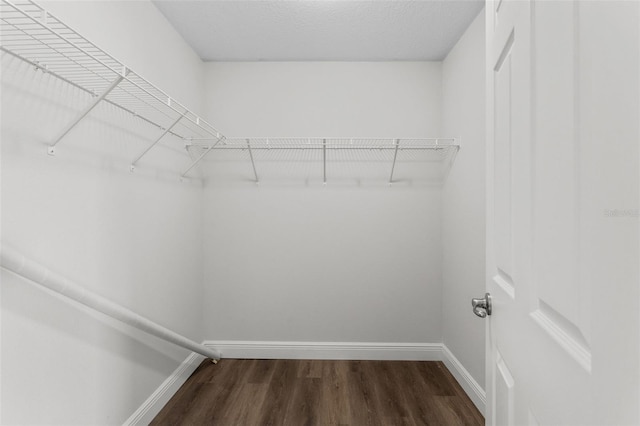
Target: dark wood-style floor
(313, 392)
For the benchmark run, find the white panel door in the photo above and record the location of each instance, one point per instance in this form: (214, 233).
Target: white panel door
(563, 120)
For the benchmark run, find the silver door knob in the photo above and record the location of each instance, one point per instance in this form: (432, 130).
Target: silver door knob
(482, 307)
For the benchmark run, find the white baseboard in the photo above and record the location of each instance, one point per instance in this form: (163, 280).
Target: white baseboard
(359, 351)
(152, 406)
(310, 350)
(468, 383)
(327, 350)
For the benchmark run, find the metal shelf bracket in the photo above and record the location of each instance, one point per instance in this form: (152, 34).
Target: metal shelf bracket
(395, 157)
(324, 161)
(52, 147)
(253, 163)
(35, 36)
(158, 139)
(197, 160)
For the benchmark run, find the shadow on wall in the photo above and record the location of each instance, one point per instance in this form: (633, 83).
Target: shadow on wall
(108, 139)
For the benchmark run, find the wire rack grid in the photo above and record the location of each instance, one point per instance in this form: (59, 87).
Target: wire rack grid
(330, 152)
(30, 33)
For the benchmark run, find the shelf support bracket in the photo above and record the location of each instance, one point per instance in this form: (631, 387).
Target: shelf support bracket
(324, 161)
(51, 150)
(158, 139)
(253, 163)
(200, 157)
(395, 156)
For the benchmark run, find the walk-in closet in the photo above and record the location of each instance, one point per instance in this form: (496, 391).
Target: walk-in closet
(324, 212)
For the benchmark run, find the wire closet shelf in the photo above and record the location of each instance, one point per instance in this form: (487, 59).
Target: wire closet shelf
(30, 33)
(439, 151)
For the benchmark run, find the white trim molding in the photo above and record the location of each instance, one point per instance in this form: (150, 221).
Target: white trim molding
(311, 350)
(355, 351)
(159, 398)
(465, 379)
(327, 350)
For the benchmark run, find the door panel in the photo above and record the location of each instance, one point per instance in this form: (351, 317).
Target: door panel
(504, 403)
(502, 80)
(563, 159)
(559, 298)
(507, 82)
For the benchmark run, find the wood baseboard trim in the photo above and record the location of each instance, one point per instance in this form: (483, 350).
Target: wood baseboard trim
(152, 406)
(327, 350)
(465, 379)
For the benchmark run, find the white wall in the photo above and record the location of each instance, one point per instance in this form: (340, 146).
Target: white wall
(294, 260)
(315, 99)
(134, 238)
(463, 200)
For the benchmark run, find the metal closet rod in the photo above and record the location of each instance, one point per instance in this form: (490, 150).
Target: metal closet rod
(16, 263)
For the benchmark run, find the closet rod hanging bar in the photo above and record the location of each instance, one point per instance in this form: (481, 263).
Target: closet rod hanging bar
(158, 139)
(52, 147)
(197, 160)
(16, 263)
(253, 163)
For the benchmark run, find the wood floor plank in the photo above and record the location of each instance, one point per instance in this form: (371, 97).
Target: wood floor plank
(274, 408)
(416, 395)
(387, 389)
(334, 406)
(362, 396)
(436, 377)
(315, 392)
(309, 369)
(262, 371)
(245, 395)
(304, 406)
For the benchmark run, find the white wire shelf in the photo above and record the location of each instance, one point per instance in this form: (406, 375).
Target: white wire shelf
(325, 152)
(30, 33)
(336, 143)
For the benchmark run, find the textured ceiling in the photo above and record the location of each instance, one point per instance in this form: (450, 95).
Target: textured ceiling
(304, 30)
